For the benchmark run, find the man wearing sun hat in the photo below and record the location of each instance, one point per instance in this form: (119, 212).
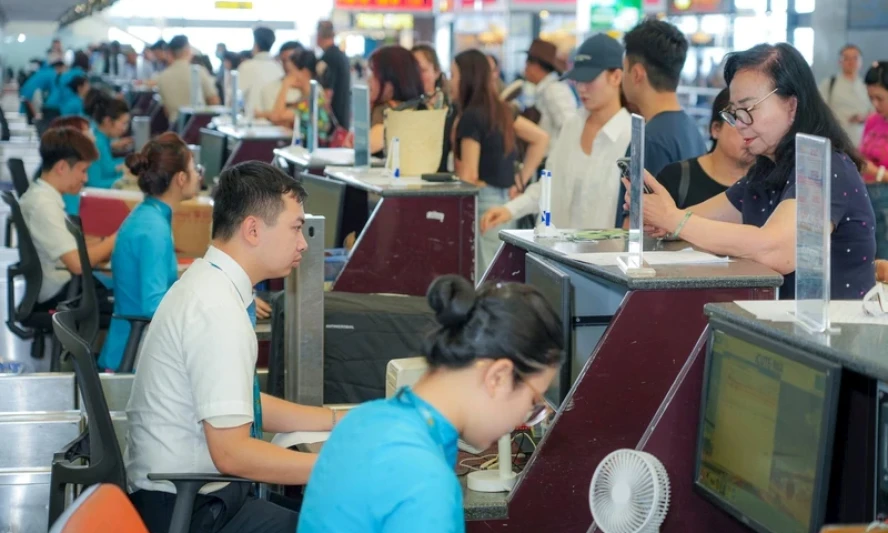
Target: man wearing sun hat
(552, 97)
(585, 176)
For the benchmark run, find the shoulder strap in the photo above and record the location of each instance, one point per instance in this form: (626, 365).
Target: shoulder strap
(684, 184)
(832, 84)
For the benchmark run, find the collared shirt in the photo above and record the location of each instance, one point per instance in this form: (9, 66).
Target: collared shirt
(44, 80)
(847, 98)
(102, 173)
(256, 73)
(44, 213)
(397, 480)
(585, 188)
(268, 96)
(72, 106)
(174, 86)
(61, 92)
(144, 268)
(556, 104)
(196, 363)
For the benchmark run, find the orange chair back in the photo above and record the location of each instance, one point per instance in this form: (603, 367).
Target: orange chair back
(100, 509)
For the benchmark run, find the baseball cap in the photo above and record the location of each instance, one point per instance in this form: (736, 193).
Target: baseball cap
(597, 54)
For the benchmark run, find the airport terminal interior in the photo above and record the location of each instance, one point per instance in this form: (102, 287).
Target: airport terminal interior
(443, 266)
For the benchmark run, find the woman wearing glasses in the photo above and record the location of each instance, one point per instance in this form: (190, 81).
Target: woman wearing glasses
(773, 97)
(144, 262)
(389, 465)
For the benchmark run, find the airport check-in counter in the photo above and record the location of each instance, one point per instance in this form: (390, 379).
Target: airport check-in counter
(629, 341)
(192, 119)
(253, 143)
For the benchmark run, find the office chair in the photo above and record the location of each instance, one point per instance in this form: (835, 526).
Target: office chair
(98, 446)
(100, 509)
(36, 325)
(19, 175)
(86, 306)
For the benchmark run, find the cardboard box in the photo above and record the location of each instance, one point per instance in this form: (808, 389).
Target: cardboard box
(102, 211)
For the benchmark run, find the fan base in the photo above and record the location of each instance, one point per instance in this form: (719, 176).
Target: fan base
(491, 481)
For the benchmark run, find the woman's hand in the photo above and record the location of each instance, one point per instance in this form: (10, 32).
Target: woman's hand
(661, 216)
(263, 310)
(494, 217)
(122, 144)
(514, 192)
(870, 169)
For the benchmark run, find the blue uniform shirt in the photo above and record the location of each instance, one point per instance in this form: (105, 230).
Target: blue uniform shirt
(102, 173)
(43, 80)
(61, 92)
(388, 467)
(144, 268)
(72, 106)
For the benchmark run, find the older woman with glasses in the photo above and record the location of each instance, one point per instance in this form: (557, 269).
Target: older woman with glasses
(774, 97)
(389, 465)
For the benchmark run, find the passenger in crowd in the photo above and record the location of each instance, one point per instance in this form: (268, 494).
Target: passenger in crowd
(393, 80)
(203, 61)
(195, 404)
(65, 153)
(585, 177)
(231, 61)
(335, 74)
(245, 55)
(144, 263)
(62, 91)
(55, 52)
(259, 71)
(174, 83)
(433, 80)
(496, 75)
(553, 98)
(269, 93)
(158, 58)
(112, 59)
(130, 63)
(696, 180)
(494, 353)
(773, 97)
(303, 71)
(484, 146)
(846, 94)
(655, 54)
(44, 81)
(874, 146)
(221, 50)
(80, 87)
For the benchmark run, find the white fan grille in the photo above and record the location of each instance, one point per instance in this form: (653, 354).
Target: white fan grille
(629, 493)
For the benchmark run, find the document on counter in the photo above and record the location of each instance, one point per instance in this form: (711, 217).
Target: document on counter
(290, 440)
(659, 258)
(840, 311)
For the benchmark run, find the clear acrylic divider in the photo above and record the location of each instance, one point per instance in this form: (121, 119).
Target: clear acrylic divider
(632, 263)
(361, 122)
(813, 229)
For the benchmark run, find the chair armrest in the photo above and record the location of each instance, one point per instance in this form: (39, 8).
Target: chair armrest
(130, 350)
(187, 487)
(131, 318)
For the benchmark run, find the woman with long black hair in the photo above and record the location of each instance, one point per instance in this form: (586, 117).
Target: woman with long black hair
(774, 97)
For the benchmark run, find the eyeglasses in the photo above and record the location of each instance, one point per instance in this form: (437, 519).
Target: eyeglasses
(742, 115)
(540, 409)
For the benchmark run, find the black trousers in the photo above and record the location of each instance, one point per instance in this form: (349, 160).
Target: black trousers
(104, 295)
(233, 509)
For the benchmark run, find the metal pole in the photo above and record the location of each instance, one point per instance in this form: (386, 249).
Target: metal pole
(314, 94)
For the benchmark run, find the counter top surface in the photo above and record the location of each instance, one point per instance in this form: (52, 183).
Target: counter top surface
(862, 348)
(374, 180)
(738, 273)
(256, 132)
(206, 110)
(484, 505)
(322, 157)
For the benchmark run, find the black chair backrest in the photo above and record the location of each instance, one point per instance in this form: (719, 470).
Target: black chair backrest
(87, 311)
(19, 175)
(105, 458)
(5, 134)
(28, 265)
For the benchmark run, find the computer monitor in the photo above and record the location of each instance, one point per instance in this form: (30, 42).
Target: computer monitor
(212, 153)
(556, 287)
(326, 198)
(765, 439)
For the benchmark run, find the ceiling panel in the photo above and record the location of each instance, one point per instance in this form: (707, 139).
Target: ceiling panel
(41, 10)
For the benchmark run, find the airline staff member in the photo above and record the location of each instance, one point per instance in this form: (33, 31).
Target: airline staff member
(144, 258)
(496, 350)
(74, 106)
(195, 404)
(44, 80)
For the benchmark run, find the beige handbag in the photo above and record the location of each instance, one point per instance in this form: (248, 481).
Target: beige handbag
(421, 137)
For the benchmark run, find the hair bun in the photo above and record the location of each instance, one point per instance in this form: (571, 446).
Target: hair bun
(137, 163)
(452, 298)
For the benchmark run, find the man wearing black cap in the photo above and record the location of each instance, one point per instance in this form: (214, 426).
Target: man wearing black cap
(585, 177)
(552, 97)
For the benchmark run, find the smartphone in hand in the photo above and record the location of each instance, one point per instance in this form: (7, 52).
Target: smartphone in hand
(624, 163)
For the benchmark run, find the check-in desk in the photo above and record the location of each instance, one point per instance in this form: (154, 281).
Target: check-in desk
(299, 159)
(416, 232)
(256, 143)
(192, 119)
(629, 340)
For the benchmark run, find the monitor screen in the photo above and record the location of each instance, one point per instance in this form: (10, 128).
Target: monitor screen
(765, 442)
(326, 198)
(212, 153)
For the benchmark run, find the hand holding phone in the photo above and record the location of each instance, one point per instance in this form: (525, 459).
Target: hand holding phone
(624, 163)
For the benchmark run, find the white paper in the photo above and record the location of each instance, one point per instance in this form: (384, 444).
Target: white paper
(684, 257)
(840, 311)
(289, 440)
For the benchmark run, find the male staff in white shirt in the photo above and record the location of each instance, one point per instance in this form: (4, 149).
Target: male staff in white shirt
(585, 176)
(262, 69)
(195, 404)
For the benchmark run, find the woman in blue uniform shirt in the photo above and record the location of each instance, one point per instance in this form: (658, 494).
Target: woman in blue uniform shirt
(44, 81)
(144, 263)
(61, 92)
(389, 465)
(773, 97)
(74, 106)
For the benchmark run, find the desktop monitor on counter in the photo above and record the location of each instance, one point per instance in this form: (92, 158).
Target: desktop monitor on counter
(765, 442)
(555, 285)
(213, 145)
(326, 198)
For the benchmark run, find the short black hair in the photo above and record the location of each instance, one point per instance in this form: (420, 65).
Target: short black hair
(877, 74)
(81, 59)
(178, 43)
(66, 144)
(661, 48)
(307, 60)
(248, 189)
(76, 82)
(159, 45)
(291, 46)
(264, 38)
(102, 106)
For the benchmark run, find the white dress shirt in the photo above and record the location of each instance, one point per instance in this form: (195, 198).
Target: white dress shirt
(255, 74)
(585, 188)
(268, 96)
(196, 363)
(556, 104)
(846, 99)
(44, 212)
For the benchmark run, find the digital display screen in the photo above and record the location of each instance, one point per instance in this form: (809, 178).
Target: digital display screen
(763, 436)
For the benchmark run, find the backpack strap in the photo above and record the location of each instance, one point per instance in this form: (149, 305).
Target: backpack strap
(829, 95)
(684, 184)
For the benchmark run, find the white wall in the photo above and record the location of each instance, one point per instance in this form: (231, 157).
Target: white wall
(37, 38)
